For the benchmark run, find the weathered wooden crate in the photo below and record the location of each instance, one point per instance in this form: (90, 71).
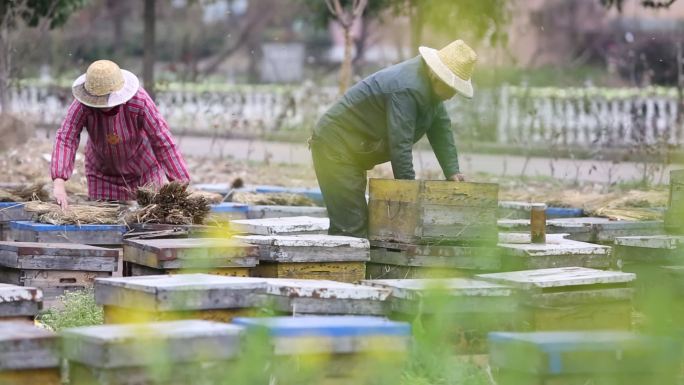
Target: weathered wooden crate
(181, 255)
(102, 235)
(11, 211)
(518, 253)
(19, 303)
(416, 212)
(53, 283)
(571, 298)
(28, 355)
(308, 296)
(282, 226)
(392, 260)
(349, 349)
(261, 212)
(175, 352)
(183, 296)
(586, 357)
(310, 256)
(472, 307)
(57, 256)
(588, 229)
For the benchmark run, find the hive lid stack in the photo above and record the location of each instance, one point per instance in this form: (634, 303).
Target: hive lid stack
(55, 267)
(571, 298)
(470, 307)
(189, 255)
(307, 296)
(19, 303)
(310, 256)
(587, 357)
(175, 352)
(98, 235)
(350, 349)
(28, 355)
(432, 228)
(182, 296)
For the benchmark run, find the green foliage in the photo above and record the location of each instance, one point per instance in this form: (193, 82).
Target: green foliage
(33, 11)
(79, 309)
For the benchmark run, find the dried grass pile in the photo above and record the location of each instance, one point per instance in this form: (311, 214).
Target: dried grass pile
(171, 204)
(24, 193)
(79, 214)
(273, 199)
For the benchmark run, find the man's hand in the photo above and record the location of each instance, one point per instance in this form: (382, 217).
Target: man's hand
(457, 177)
(59, 192)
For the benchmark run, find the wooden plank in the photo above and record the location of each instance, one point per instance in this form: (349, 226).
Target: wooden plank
(19, 301)
(589, 316)
(50, 376)
(309, 248)
(179, 292)
(176, 374)
(63, 256)
(125, 315)
(120, 346)
(462, 194)
(665, 242)
(325, 297)
(415, 289)
(393, 222)
(241, 257)
(335, 271)
(27, 231)
(558, 277)
(394, 190)
(288, 225)
(194, 248)
(141, 270)
(388, 271)
(261, 212)
(26, 347)
(467, 262)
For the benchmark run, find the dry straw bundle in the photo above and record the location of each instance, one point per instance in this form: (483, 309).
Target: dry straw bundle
(170, 204)
(99, 213)
(24, 193)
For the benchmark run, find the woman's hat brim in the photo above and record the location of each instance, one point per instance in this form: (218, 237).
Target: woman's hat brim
(462, 86)
(113, 99)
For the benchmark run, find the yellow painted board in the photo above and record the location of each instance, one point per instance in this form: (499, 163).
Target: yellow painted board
(31, 377)
(334, 271)
(120, 315)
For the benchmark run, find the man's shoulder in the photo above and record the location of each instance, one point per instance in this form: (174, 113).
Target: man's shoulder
(404, 77)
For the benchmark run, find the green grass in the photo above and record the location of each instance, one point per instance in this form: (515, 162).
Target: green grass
(78, 309)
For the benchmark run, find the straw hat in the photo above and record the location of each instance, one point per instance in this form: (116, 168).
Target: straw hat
(453, 64)
(105, 85)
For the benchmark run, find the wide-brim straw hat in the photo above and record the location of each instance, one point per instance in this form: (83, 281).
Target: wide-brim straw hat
(105, 85)
(453, 64)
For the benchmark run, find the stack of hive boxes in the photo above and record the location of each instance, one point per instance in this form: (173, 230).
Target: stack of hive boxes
(421, 229)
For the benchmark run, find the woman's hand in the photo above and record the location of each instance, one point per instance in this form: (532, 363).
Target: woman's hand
(59, 192)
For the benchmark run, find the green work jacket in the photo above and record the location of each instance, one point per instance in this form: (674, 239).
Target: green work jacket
(380, 119)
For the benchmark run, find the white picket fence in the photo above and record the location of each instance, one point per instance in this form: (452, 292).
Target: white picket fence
(508, 115)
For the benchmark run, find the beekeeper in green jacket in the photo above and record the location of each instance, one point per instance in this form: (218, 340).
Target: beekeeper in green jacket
(380, 119)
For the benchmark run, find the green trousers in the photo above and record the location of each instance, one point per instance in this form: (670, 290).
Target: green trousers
(343, 185)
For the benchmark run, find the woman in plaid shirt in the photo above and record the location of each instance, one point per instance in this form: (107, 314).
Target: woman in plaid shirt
(129, 144)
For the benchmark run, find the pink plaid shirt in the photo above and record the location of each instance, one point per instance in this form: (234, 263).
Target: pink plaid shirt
(129, 146)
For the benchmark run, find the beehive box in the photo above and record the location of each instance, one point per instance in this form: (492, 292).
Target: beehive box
(28, 355)
(261, 212)
(471, 307)
(99, 235)
(391, 260)
(229, 210)
(347, 349)
(588, 229)
(176, 352)
(416, 212)
(321, 297)
(587, 357)
(11, 211)
(571, 298)
(310, 256)
(182, 296)
(282, 226)
(519, 253)
(187, 255)
(55, 268)
(19, 303)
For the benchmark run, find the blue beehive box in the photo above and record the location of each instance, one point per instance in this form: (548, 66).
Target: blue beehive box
(229, 211)
(331, 334)
(601, 357)
(29, 231)
(11, 211)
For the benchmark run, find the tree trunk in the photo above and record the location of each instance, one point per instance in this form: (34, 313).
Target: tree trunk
(346, 69)
(417, 22)
(5, 66)
(149, 47)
